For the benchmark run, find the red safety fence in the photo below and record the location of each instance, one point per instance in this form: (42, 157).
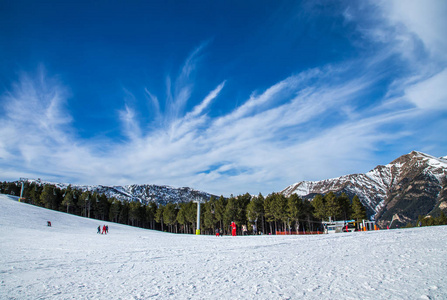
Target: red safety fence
(298, 233)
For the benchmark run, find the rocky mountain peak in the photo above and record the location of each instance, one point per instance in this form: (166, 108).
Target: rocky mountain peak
(409, 186)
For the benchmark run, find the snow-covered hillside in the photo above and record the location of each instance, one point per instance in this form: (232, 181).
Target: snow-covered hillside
(71, 261)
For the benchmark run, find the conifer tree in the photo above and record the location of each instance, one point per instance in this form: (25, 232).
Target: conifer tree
(309, 212)
(159, 216)
(134, 212)
(209, 219)
(442, 219)
(231, 212)
(48, 196)
(333, 208)
(255, 210)
(35, 192)
(170, 215)
(85, 203)
(181, 217)
(115, 208)
(345, 206)
(269, 210)
(123, 217)
(103, 207)
(319, 205)
(151, 209)
(358, 210)
(191, 215)
(295, 209)
(242, 202)
(68, 199)
(219, 210)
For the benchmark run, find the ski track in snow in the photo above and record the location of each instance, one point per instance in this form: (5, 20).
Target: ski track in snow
(71, 261)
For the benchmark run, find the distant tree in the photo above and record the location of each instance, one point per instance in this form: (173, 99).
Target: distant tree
(295, 209)
(103, 207)
(242, 203)
(170, 215)
(68, 199)
(319, 205)
(345, 207)
(308, 211)
(275, 206)
(123, 217)
(191, 215)
(181, 218)
(358, 210)
(255, 210)
(280, 210)
(442, 219)
(134, 212)
(333, 208)
(231, 212)
(219, 210)
(159, 216)
(34, 194)
(12, 188)
(115, 208)
(151, 209)
(269, 203)
(49, 197)
(209, 218)
(85, 203)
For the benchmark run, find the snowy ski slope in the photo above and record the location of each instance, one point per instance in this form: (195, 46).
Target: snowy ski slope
(71, 261)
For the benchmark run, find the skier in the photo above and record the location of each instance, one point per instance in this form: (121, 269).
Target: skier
(254, 229)
(104, 230)
(233, 228)
(217, 232)
(244, 229)
(107, 229)
(99, 229)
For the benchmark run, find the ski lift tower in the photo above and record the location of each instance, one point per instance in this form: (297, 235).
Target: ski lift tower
(198, 201)
(22, 180)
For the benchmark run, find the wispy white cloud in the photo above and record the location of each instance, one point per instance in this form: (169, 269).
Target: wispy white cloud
(414, 31)
(205, 103)
(271, 140)
(430, 93)
(311, 125)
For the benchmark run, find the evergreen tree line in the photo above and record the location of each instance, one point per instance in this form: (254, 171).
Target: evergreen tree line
(269, 214)
(429, 221)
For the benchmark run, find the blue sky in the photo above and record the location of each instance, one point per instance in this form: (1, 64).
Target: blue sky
(226, 97)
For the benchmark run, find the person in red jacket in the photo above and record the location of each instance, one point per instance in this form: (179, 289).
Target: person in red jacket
(233, 228)
(104, 230)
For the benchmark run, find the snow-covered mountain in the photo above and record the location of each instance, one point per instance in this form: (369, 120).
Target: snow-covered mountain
(144, 193)
(412, 185)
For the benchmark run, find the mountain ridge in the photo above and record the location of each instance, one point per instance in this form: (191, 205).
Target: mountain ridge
(145, 193)
(416, 178)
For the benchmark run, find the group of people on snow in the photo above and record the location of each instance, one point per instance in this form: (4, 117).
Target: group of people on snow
(105, 229)
(233, 227)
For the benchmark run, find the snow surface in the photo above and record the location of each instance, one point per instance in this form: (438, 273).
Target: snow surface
(71, 261)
